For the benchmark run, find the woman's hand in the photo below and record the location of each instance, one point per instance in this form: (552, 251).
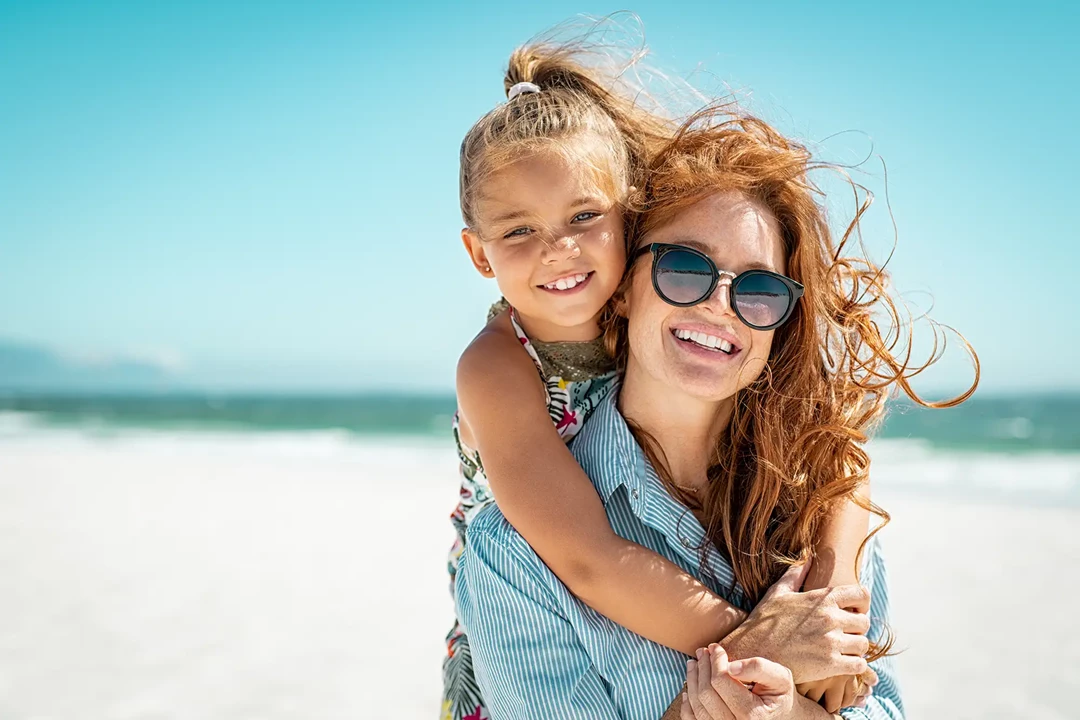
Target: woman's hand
(840, 692)
(817, 634)
(750, 689)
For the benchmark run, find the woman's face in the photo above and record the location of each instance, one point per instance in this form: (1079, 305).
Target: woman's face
(738, 233)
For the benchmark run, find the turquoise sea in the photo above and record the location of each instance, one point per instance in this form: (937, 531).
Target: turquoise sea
(996, 425)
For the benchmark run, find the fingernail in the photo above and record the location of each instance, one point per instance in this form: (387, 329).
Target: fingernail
(735, 667)
(700, 653)
(690, 665)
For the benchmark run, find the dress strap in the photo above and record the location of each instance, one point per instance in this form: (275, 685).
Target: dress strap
(526, 343)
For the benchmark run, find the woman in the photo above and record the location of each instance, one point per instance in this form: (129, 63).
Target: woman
(751, 372)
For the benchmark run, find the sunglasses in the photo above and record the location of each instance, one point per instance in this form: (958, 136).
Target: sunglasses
(683, 276)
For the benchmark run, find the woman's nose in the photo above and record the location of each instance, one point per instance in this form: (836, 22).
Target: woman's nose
(720, 299)
(562, 250)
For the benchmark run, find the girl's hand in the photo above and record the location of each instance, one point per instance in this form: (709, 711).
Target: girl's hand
(751, 689)
(840, 692)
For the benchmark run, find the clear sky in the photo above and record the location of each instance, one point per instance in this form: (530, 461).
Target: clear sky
(264, 194)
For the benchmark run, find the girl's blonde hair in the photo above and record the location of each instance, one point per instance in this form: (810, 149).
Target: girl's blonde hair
(574, 102)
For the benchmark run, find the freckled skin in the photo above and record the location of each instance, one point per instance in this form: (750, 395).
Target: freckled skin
(737, 231)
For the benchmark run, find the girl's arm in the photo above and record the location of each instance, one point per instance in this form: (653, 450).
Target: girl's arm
(836, 548)
(547, 497)
(836, 552)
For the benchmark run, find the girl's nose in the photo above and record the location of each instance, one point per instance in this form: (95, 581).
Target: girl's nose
(563, 249)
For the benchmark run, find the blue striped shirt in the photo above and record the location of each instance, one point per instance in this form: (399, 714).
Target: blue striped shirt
(539, 652)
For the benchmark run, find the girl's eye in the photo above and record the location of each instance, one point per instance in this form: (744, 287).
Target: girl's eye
(584, 216)
(517, 232)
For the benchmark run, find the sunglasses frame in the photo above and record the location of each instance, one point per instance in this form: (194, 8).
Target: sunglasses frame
(658, 251)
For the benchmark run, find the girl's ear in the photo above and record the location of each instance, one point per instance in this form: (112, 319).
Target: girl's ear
(477, 254)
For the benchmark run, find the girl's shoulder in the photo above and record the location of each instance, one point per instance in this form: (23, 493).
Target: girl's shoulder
(495, 354)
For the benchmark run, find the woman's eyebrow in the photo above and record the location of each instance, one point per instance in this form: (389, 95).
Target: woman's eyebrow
(703, 247)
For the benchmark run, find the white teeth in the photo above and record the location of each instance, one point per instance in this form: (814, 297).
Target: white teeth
(567, 283)
(710, 341)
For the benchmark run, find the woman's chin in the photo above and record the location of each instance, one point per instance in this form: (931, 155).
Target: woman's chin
(702, 383)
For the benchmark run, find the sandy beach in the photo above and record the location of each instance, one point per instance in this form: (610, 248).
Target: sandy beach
(150, 575)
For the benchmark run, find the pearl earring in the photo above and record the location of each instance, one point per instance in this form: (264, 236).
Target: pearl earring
(487, 268)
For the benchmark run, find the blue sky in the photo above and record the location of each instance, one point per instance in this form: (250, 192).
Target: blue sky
(264, 194)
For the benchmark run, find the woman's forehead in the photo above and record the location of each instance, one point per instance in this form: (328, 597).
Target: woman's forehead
(729, 227)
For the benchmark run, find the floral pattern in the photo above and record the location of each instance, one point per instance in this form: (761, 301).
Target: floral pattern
(569, 404)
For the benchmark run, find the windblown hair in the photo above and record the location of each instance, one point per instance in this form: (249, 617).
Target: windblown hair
(794, 447)
(575, 103)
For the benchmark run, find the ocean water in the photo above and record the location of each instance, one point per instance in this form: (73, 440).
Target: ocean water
(997, 425)
(1024, 449)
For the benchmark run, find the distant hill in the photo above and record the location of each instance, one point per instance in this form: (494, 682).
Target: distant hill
(32, 368)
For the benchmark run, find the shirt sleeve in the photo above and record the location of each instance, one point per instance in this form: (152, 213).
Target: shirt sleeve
(885, 703)
(528, 660)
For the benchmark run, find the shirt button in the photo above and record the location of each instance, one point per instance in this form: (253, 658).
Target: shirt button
(685, 542)
(634, 493)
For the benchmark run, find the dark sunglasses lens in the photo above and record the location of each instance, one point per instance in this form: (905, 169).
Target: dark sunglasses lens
(762, 300)
(682, 277)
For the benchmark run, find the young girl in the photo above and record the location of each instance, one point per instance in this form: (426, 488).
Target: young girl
(543, 180)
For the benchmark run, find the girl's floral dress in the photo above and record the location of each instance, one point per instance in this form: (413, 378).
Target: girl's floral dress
(576, 376)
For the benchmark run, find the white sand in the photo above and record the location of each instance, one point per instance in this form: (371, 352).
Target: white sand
(226, 577)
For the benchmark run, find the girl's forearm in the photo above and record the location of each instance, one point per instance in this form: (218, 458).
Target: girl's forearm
(653, 597)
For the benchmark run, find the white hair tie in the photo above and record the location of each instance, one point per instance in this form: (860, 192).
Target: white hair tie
(522, 88)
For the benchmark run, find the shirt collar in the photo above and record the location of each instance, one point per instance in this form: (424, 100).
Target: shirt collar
(612, 458)
(608, 452)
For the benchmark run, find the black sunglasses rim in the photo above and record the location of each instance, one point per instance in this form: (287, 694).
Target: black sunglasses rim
(658, 250)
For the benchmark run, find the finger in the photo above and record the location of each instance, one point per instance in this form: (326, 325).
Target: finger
(848, 665)
(768, 677)
(716, 661)
(869, 678)
(854, 622)
(864, 694)
(851, 597)
(816, 691)
(685, 711)
(851, 691)
(692, 689)
(792, 580)
(850, 644)
(834, 696)
(704, 678)
(737, 699)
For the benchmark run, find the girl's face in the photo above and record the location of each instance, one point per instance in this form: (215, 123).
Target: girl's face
(553, 240)
(738, 234)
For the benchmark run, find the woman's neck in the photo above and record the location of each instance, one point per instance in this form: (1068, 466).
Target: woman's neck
(686, 428)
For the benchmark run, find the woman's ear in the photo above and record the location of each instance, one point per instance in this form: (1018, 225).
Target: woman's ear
(475, 247)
